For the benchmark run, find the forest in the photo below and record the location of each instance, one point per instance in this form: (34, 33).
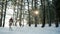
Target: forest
(33, 11)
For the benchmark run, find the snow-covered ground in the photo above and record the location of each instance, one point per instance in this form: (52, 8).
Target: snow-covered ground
(31, 30)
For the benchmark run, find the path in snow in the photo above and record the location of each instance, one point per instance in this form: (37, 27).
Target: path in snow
(30, 30)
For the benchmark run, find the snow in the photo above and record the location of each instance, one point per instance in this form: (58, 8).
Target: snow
(31, 30)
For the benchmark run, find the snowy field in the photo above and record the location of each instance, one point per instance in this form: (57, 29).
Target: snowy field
(31, 30)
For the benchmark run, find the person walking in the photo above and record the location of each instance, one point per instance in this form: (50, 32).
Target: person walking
(10, 23)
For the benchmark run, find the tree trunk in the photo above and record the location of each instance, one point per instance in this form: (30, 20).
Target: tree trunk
(36, 20)
(1, 14)
(4, 14)
(17, 13)
(56, 7)
(43, 8)
(49, 13)
(20, 13)
(29, 13)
